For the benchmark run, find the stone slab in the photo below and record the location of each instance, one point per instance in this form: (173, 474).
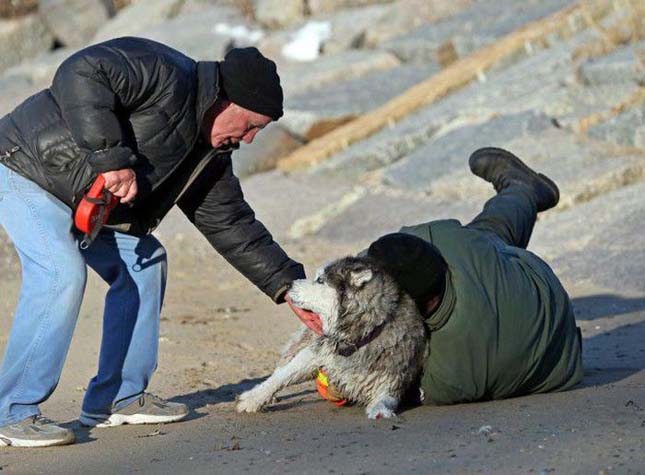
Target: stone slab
(137, 17)
(23, 38)
(598, 242)
(74, 22)
(306, 114)
(622, 65)
(298, 77)
(449, 152)
(197, 34)
(471, 29)
(271, 144)
(628, 128)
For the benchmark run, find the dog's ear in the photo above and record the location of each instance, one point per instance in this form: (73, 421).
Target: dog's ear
(359, 278)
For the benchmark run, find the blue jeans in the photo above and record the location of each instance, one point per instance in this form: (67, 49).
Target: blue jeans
(54, 273)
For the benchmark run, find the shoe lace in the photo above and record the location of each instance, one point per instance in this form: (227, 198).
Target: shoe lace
(41, 420)
(150, 397)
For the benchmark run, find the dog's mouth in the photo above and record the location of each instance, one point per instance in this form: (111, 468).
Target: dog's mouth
(302, 312)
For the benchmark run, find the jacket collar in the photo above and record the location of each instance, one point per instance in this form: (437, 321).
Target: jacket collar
(440, 316)
(207, 87)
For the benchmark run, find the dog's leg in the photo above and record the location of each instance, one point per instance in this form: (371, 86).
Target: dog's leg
(298, 370)
(382, 407)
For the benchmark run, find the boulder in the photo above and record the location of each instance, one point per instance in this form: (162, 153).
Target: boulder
(21, 81)
(138, 17)
(205, 36)
(279, 13)
(622, 65)
(297, 77)
(597, 243)
(448, 153)
(73, 22)
(320, 7)
(15, 89)
(406, 15)
(349, 27)
(625, 129)
(471, 29)
(269, 145)
(318, 111)
(40, 70)
(23, 38)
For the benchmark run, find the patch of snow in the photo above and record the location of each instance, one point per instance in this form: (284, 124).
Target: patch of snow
(306, 42)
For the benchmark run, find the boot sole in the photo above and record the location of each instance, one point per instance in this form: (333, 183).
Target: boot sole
(508, 155)
(115, 420)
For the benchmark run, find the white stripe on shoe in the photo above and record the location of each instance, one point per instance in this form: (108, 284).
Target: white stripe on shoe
(96, 420)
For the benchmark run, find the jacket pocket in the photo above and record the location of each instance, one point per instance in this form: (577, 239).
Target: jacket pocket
(57, 150)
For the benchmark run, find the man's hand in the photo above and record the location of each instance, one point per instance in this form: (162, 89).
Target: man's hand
(121, 183)
(311, 319)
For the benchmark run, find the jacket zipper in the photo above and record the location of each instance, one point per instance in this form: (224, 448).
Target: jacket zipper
(6, 155)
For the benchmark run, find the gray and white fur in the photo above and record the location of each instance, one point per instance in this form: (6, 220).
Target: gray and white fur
(374, 340)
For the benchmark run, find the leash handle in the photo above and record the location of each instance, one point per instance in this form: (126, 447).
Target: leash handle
(93, 211)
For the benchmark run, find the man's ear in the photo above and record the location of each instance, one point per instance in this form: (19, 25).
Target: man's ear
(359, 278)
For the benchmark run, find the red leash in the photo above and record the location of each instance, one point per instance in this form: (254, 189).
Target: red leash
(93, 211)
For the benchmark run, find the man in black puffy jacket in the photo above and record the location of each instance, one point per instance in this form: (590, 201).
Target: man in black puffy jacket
(160, 128)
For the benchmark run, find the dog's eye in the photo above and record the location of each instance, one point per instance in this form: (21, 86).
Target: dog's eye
(320, 280)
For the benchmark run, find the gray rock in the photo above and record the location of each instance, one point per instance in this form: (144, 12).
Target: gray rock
(542, 82)
(318, 7)
(625, 129)
(472, 29)
(449, 152)
(197, 34)
(597, 243)
(297, 77)
(138, 17)
(269, 146)
(406, 15)
(73, 22)
(380, 212)
(307, 115)
(279, 13)
(14, 90)
(23, 38)
(349, 27)
(621, 65)
(41, 69)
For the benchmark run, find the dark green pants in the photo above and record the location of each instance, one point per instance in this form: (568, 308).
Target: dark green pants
(510, 215)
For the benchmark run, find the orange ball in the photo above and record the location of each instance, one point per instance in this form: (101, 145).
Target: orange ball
(328, 391)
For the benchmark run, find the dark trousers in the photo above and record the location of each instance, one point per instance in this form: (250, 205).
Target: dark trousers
(510, 215)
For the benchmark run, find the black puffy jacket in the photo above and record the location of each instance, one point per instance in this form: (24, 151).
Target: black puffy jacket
(134, 103)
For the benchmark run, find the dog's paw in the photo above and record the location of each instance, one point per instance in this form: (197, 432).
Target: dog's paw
(380, 411)
(251, 401)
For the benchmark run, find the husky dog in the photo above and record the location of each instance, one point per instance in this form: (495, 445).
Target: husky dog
(374, 339)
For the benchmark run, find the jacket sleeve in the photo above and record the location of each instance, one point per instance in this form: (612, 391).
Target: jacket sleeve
(216, 205)
(97, 85)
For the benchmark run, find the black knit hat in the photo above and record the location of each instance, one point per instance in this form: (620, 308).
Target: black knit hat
(415, 264)
(251, 80)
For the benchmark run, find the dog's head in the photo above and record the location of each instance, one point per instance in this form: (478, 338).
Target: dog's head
(352, 295)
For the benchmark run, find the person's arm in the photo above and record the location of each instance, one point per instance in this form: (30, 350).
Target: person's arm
(92, 87)
(215, 204)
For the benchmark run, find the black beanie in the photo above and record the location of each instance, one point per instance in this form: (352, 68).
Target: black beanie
(251, 80)
(415, 264)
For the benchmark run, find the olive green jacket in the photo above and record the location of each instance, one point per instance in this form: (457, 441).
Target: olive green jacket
(505, 326)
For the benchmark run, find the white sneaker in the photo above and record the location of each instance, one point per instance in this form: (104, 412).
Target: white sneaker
(148, 409)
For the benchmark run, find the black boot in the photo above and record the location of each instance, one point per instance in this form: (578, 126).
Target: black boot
(503, 169)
